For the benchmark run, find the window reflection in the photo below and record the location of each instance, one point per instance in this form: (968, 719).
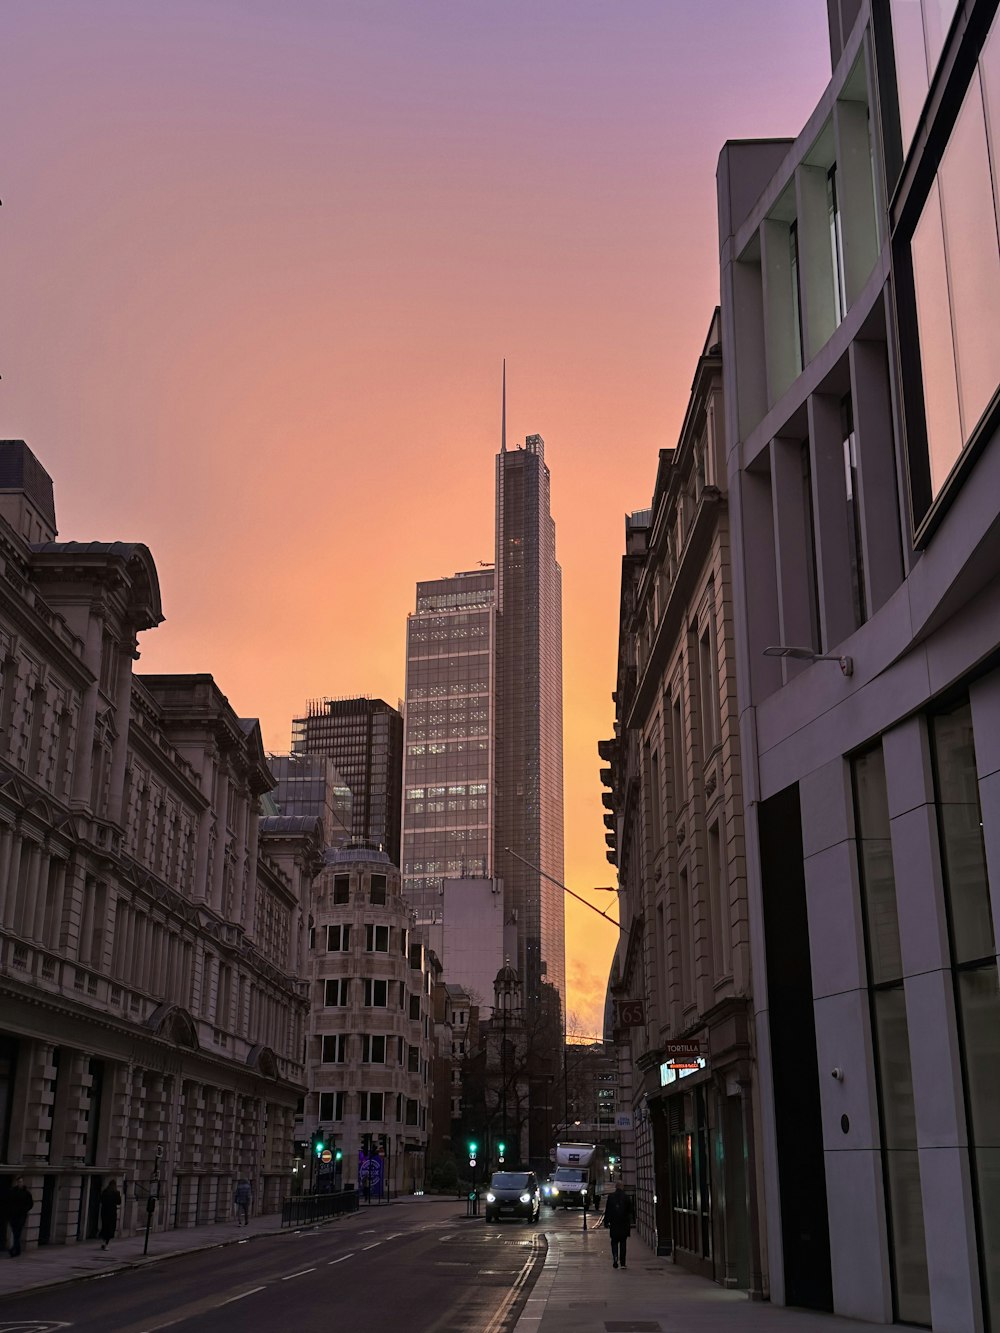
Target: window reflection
(956, 276)
(919, 28)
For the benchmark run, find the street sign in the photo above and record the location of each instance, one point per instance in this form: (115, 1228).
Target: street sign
(326, 1155)
(623, 1120)
(631, 1013)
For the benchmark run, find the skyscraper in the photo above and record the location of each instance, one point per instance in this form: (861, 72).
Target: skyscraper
(529, 740)
(450, 714)
(364, 738)
(483, 763)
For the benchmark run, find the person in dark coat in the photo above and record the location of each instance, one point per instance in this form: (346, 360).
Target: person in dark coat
(242, 1199)
(20, 1202)
(618, 1219)
(110, 1203)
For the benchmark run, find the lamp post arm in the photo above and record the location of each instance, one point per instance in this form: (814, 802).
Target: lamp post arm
(560, 885)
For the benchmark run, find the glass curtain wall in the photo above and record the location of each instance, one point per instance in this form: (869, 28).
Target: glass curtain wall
(901, 1163)
(973, 956)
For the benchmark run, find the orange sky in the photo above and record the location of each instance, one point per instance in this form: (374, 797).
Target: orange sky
(260, 265)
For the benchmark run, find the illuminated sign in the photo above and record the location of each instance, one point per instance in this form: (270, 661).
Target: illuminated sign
(671, 1070)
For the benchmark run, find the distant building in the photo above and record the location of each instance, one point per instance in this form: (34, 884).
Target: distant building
(449, 788)
(152, 923)
(364, 739)
(370, 1028)
(470, 934)
(309, 785)
(529, 728)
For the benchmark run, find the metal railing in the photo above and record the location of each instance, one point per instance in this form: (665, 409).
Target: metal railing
(306, 1208)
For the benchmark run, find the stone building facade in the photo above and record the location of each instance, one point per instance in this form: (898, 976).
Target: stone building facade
(151, 924)
(676, 831)
(371, 1037)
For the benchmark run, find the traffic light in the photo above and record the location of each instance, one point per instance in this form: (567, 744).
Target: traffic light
(382, 1144)
(501, 1150)
(367, 1141)
(472, 1152)
(319, 1143)
(338, 1155)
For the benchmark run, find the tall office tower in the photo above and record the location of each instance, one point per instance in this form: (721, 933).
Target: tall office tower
(529, 738)
(364, 738)
(448, 822)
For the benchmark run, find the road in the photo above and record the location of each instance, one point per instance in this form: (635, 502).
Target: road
(421, 1266)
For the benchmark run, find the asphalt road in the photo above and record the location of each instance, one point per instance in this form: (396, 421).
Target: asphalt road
(424, 1268)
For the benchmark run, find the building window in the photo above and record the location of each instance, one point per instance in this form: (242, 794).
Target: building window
(376, 993)
(413, 1059)
(836, 245)
(855, 546)
(338, 939)
(812, 565)
(796, 281)
(372, 1049)
(655, 812)
(677, 774)
(919, 28)
(955, 257)
(894, 1080)
(718, 896)
(708, 675)
(377, 890)
(376, 939)
(685, 929)
(336, 992)
(331, 1106)
(415, 1006)
(372, 1106)
(335, 1049)
(341, 889)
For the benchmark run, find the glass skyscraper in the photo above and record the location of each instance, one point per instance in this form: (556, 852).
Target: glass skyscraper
(364, 738)
(484, 744)
(450, 712)
(529, 741)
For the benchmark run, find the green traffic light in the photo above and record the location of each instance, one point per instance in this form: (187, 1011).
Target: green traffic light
(319, 1147)
(339, 1155)
(501, 1148)
(472, 1149)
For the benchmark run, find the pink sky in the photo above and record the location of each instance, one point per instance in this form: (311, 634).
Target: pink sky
(259, 265)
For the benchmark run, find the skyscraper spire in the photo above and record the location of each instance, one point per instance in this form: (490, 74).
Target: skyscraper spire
(503, 411)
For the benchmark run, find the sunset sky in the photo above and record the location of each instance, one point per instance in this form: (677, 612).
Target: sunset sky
(259, 265)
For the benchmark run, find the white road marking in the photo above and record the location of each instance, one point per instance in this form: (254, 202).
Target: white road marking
(341, 1259)
(373, 1246)
(500, 1314)
(301, 1273)
(241, 1295)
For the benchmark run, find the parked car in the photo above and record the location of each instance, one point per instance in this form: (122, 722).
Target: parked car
(513, 1194)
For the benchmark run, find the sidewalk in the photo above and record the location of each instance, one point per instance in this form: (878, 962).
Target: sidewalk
(43, 1265)
(579, 1292)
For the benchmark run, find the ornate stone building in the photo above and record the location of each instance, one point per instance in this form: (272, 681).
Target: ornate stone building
(676, 833)
(370, 1036)
(151, 923)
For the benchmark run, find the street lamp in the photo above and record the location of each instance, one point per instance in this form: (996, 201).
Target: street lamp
(809, 655)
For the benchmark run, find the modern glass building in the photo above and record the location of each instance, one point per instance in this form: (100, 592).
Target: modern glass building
(364, 738)
(448, 822)
(529, 767)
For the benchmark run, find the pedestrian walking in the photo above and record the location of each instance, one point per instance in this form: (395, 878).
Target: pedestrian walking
(242, 1199)
(618, 1219)
(110, 1203)
(20, 1202)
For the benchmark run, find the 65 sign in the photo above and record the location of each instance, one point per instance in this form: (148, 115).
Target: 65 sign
(631, 1014)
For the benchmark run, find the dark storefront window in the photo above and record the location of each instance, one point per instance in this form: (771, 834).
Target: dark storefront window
(901, 1162)
(690, 1192)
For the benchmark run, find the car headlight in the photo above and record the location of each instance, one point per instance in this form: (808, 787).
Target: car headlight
(525, 1198)
(554, 1190)
(491, 1198)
